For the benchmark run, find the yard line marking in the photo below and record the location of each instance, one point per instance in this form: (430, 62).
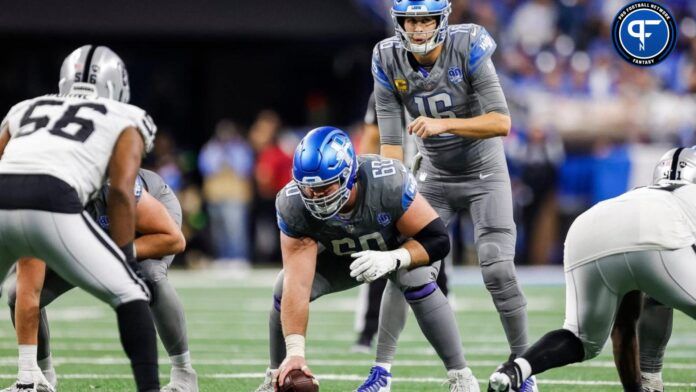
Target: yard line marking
(340, 377)
(108, 361)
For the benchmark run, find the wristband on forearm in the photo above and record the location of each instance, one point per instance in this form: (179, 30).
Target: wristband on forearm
(129, 251)
(295, 345)
(403, 257)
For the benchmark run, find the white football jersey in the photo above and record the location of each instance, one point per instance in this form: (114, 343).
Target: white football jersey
(70, 137)
(649, 218)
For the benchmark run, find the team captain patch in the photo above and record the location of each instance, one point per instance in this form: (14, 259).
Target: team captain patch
(401, 85)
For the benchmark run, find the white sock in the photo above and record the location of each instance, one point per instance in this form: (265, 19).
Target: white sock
(385, 366)
(525, 367)
(27, 357)
(46, 363)
(181, 360)
(27, 363)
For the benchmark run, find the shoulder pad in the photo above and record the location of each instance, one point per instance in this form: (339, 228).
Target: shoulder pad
(481, 47)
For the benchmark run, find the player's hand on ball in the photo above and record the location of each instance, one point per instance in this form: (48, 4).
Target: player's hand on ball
(370, 265)
(289, 364)
(425, 127)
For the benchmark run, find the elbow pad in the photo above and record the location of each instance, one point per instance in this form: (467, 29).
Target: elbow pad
(434, 239)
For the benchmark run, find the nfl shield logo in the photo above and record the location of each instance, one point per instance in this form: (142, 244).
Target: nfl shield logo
(103, 221)
(455, 75)
(383, 218)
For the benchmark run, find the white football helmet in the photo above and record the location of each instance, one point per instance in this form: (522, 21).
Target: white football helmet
(95, 70)
(677, 166)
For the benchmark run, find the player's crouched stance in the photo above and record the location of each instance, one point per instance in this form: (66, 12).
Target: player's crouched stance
(642, 240)
(55, 153)
(371, 222)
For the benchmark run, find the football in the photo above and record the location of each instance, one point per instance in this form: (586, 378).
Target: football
(297, 381)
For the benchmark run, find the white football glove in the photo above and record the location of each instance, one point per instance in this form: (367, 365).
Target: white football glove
(370, 265)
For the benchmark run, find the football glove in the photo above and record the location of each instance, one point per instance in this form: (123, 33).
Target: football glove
(370, 265)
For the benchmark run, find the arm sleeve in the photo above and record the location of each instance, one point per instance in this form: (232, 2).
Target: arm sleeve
(148, 129)
(371, 112)
(285, 213)
(389, 109)
(481, 72)
(401, 190)
(486, 83)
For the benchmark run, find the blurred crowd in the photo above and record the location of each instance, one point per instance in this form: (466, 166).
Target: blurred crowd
(586, 126)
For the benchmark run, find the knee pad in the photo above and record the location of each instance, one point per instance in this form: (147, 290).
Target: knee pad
(501, 282)
(152, 271)
(418, 293)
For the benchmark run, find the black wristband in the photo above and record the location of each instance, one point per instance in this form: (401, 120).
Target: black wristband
(129, 251)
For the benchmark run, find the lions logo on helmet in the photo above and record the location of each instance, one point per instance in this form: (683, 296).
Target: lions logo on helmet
(677, 166)
(438, 9)
(324, 157)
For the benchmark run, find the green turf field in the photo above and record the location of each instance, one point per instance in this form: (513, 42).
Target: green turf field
(227, 319)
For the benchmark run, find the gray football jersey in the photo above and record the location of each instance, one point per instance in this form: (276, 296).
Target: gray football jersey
(385, 191)
(461, 84)
(147, 180)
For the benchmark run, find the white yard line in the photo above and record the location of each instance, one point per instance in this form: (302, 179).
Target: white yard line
(108, 361)
(338, 377)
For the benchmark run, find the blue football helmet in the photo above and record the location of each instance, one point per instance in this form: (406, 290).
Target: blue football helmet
(438, 9)
(324, 157)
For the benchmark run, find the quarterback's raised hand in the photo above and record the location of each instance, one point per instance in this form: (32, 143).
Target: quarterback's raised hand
(425, 127)
(370, 265)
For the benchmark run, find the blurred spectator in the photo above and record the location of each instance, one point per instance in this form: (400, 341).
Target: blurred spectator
(226, 162)
(271, 172)
(534, 24)
(537, 155)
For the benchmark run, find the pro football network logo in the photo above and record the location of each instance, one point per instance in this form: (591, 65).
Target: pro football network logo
(644, 33)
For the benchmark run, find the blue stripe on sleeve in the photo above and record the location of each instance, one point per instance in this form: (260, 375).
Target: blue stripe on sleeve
(380, 75)
(482, 48)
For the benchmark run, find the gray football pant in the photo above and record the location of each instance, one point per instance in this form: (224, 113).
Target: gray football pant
(432, 310)
(74, 247)
(489, 201)
(165, 306)
(594, 290)
(654, 331)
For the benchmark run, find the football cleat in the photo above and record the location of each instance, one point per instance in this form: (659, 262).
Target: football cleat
(182, 380)
(462, 381)
(379, 380)
(651, 382)
(267, 384)
(51, 376)
(38, 384)
(506, 378)
(529, 385)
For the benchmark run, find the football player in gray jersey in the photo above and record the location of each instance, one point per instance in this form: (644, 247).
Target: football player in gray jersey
(348, 219)
(159, 238)
(443, 80)
(368, 316)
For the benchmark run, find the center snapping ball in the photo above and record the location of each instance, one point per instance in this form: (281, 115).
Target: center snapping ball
(297, 381)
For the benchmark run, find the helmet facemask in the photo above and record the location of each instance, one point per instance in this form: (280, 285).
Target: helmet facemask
(438, 34)
(325, 207)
